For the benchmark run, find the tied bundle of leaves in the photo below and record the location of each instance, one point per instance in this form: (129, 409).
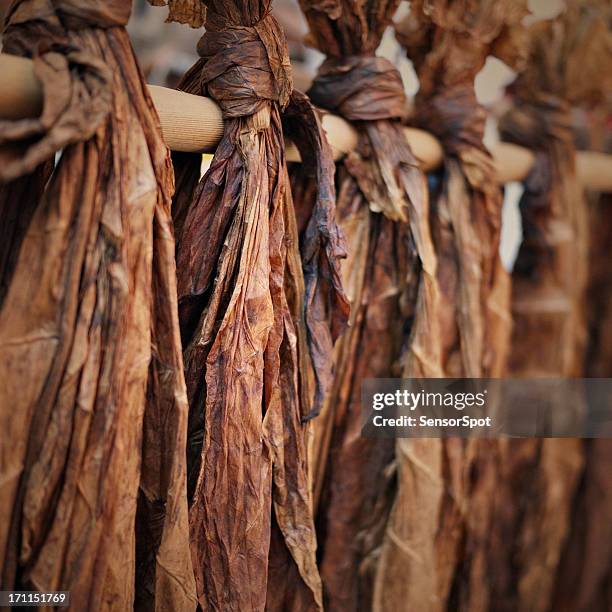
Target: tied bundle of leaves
(92, 392)
(390, 279)
(448, 42)
(437, 539)
(568, 60)
(257, 331)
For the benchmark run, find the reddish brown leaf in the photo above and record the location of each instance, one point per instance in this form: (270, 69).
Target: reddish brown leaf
(88, 324)
(390, 279)
(439, 529)
(256, 331)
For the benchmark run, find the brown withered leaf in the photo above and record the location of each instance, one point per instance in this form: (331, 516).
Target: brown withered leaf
(191, 12)
(322, 244)
(257, 332)
(390, 279)
(94, 407)
(438, 532)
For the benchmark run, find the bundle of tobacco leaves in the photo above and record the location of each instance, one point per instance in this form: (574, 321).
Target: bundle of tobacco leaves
(390, 279)
(93, 408)
(448, 42)
(257, 331)
(438, 538)
(549, 282)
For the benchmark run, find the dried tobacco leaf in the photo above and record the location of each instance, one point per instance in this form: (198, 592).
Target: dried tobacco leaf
(190, 12)
(390, 278)
(549, 280)
(436, 546)
(256, 332)
(93, 399)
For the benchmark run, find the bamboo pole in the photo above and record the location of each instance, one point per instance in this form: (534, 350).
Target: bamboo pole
(195, 124)
(20, 93)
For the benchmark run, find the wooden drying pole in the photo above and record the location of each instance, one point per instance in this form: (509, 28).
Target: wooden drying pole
(195, 124)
